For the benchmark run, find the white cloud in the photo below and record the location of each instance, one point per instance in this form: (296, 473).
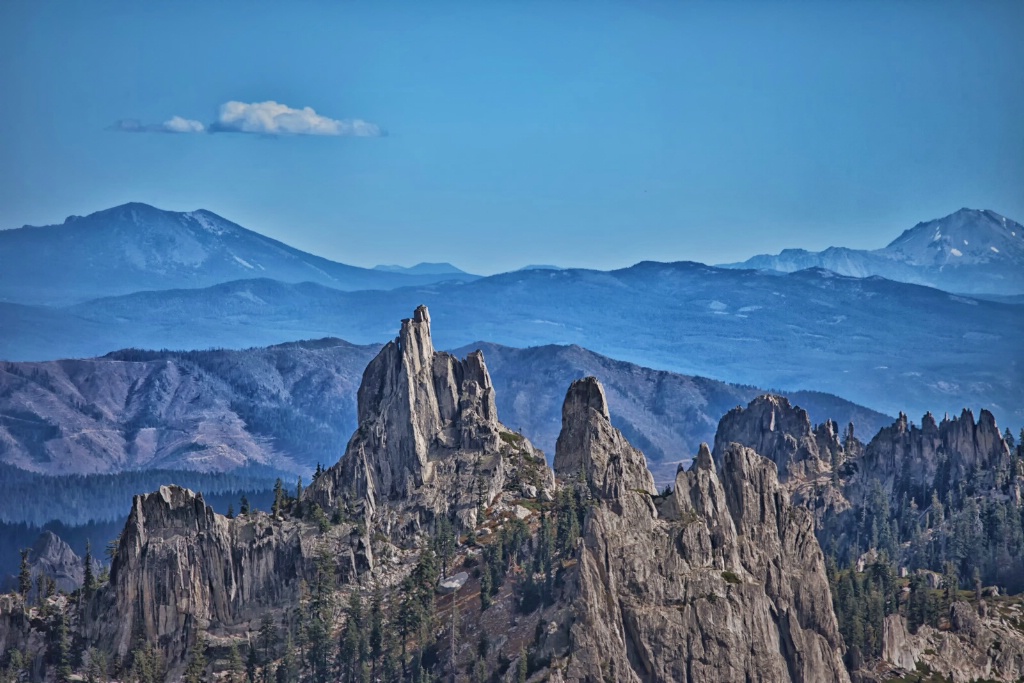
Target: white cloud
(176, 124)
(262, 118)
(273, 118)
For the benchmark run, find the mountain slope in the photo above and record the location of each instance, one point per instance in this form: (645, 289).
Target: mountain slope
(666, 415)
(970, 251)
(137, 247)
(883, 344)
(292, 406)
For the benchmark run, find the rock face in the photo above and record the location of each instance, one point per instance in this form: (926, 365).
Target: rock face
(780, 432)
(723, 580)
(588, 444)
(975, 648)
(54, 558)
(428, 438)
(180, 567)
(957, 446)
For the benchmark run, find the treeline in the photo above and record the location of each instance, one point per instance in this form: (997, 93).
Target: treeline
(79, 499)
(959, 533)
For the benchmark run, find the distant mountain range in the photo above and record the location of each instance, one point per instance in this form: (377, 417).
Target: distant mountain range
(182, 280)
(289, 407)
(884, 344)
(424, 269)
(136, 247)
(970, 251)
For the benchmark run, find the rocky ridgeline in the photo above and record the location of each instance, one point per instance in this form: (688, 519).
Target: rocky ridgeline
(181, 568)
(965, 447)
(902, 454)
(722, 580)
(838, 479)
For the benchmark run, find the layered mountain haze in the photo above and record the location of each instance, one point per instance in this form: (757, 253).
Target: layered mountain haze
(883, 344)
(970, 251)
(136, 247)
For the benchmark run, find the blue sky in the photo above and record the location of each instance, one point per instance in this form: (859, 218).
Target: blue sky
(587, 134)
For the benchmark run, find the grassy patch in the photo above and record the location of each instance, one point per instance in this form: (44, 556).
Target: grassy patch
(511, 438)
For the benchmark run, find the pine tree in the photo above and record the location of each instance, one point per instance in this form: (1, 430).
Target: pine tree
(24, 576)
(288, 672)
(318, 622)
(444, 542)
(522, 668)
(351, 651)
(278, 497)
(231, 511)
(376, 635)
(63, 647)
(251, 663)
(267, 638)
(243, 508)
(196, 670)
(89, 581)
(486, 585)
(96, 668)
(236, 668)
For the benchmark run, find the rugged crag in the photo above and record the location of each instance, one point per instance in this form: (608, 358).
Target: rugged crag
(429, 441)
(780, 432)
(914, 456)
(721, 580)
(974, 648)
(902, 455)
(180, 568)
(591, 578)
(52, 557)
(903, 499)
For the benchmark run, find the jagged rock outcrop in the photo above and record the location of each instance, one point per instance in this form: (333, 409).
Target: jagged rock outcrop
(429, 440)
(805, 456)
(723, 580)
(589, 444)
(782, 432)
(975, 648)
(54, 558)
(911, 456)
(180, 567)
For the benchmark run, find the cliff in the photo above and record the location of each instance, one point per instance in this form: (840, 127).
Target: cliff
(722, 580)
(428, 442)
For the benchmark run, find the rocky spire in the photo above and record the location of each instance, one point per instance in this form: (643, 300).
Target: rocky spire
(904, 450)
(723, 580)
(588, 443)
(55, 558)
(180, 567)
(780, 432)
(428, 429)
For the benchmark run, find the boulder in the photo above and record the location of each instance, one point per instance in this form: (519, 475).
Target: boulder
(453, 583)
